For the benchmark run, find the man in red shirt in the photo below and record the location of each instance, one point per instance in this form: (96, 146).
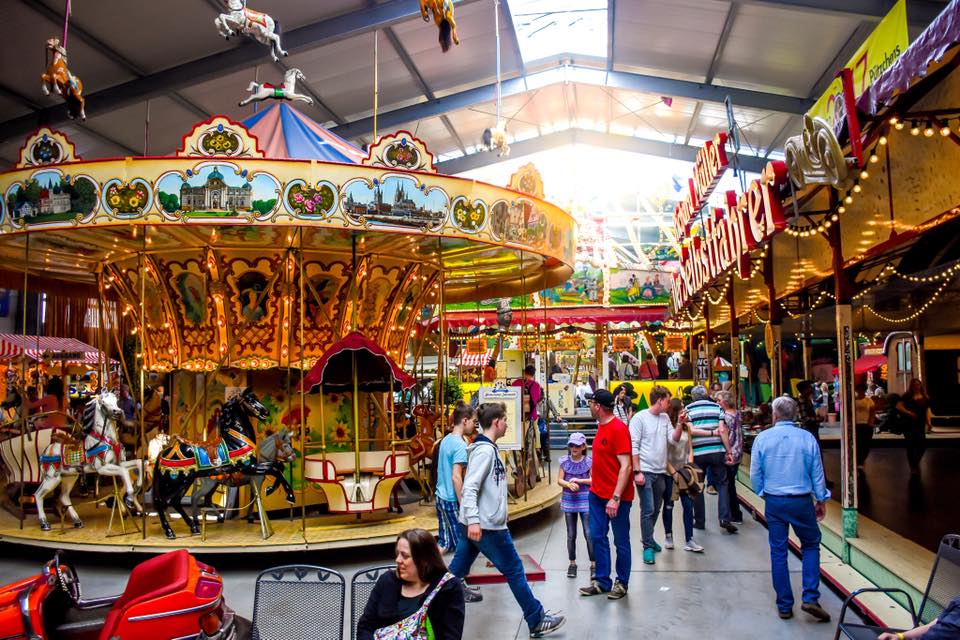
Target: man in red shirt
(611, 494)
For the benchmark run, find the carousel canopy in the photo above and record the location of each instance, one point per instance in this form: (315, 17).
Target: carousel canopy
(13, 346)
(374, 369)
(284, 132)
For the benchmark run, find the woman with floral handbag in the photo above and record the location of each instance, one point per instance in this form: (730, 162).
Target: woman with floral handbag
(420, 601)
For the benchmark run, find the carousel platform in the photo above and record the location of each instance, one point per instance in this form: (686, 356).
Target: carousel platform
(237, 536)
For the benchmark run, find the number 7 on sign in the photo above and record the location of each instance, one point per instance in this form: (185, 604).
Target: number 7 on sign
(863, 76)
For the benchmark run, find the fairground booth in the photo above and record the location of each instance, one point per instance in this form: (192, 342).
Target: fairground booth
(837, 268)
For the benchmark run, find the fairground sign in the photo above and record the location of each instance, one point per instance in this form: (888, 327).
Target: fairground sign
(726, 234)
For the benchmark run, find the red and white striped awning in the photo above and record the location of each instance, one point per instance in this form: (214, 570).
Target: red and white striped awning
(476, 359)
(13, 346)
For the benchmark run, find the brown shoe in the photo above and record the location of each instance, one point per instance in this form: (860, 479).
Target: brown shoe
(592, 590)
(814, 609)
(619, 590)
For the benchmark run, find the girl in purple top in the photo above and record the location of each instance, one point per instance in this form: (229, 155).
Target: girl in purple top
(574, 477)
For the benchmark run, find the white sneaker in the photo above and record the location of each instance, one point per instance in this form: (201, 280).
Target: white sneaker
(693, 547)
(668, 541)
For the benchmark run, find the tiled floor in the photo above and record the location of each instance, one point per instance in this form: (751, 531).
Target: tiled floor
(724, 593)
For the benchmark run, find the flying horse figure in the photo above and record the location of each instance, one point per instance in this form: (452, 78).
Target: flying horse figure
(286, 91)
(255, 24)
(100, 453)
(58, 79)
(442, 11)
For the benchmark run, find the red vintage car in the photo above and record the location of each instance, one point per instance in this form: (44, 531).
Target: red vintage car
(169, 596)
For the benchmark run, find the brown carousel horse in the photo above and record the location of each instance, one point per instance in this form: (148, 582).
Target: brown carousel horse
(59, 80)
(442, 11)
(424, 443)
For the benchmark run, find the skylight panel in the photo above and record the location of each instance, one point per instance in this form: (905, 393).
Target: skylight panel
(547, 28)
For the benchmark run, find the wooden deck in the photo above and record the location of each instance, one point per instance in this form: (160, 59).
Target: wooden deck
(236, 536)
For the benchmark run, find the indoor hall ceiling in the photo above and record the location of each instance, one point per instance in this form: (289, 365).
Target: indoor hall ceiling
(773, 57)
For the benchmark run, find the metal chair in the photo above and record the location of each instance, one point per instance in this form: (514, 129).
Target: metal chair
(942, 587)
(361, 586)
(299, 602)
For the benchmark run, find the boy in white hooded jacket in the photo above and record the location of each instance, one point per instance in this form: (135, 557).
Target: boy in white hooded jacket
(483, 515)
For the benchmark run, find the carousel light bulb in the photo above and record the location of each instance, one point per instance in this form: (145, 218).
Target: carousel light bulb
(864, 175)
(928, 131)
(835, 217)
(894, 120)
(873, 159)
(944, 131)
(857, 188)
(899, 126)
(821, 228)
(915, 130)
(848, 199)
(882, 140)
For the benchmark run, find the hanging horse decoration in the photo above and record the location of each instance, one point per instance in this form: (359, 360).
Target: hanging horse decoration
(100, 452)
(495, 139)
(233, 451)
(442, 11)
(286, 91)
(59, 80)
(256, 24)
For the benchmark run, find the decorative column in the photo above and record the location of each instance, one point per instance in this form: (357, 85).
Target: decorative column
(846, 345)
(773, 334)
(734, 345)
(707, 340)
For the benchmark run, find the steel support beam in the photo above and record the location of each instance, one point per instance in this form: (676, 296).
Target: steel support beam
(611, 32)
(593, 138)
(920, 13)
(582, 75)
(507, 16)
(247, 54)
(420, 81)
(22, 99)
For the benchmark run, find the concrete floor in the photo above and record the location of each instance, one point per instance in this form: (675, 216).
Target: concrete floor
(724, 593)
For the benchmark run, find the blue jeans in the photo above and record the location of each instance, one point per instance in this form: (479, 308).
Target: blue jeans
(651, 498)
(714, 461)
(497, 546)
(781, 514)
(600, 524)
(686, 502)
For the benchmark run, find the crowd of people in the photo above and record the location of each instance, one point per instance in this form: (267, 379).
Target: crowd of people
(665, 453)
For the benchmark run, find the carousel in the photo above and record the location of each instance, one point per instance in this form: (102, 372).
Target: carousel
(278, 290)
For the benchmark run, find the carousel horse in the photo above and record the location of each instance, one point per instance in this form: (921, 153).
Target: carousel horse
(495, 139)
(423, 443)
(257, 25)
(233, 451)
(442, 11)
(286, 91)
(58, 79)
(275, 450)
(64, 459)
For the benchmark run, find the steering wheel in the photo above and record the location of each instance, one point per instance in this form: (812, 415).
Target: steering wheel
(67, 577)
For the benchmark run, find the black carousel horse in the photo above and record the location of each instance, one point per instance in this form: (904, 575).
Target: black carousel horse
(233, 452)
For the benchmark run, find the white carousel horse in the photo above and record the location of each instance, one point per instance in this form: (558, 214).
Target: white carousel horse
(100, 453)
(257, 25)
(286, 91)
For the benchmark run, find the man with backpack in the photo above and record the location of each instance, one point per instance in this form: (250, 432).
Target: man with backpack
(483, 519)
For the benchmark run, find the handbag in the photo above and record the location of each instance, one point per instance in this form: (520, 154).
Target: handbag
(416, 626)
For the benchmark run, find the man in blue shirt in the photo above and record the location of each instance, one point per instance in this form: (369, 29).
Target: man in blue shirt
(786, 471)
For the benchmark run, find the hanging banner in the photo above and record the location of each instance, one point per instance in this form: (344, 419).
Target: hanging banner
(877, 54)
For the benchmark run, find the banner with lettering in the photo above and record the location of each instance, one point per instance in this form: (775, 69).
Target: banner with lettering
(877, 54)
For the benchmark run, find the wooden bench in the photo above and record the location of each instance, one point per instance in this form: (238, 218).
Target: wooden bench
(335, 473)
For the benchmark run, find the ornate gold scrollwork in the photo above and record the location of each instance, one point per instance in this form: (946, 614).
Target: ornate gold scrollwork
(816, 157)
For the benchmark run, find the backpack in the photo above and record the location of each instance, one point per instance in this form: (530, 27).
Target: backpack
(417, 626)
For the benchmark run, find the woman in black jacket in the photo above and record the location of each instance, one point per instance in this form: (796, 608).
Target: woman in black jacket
(400, 594)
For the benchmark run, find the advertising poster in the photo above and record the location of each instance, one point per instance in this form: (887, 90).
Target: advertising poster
(511, 398)
(634, 287)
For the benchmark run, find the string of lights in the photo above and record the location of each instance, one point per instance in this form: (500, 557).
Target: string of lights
(916, 314)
